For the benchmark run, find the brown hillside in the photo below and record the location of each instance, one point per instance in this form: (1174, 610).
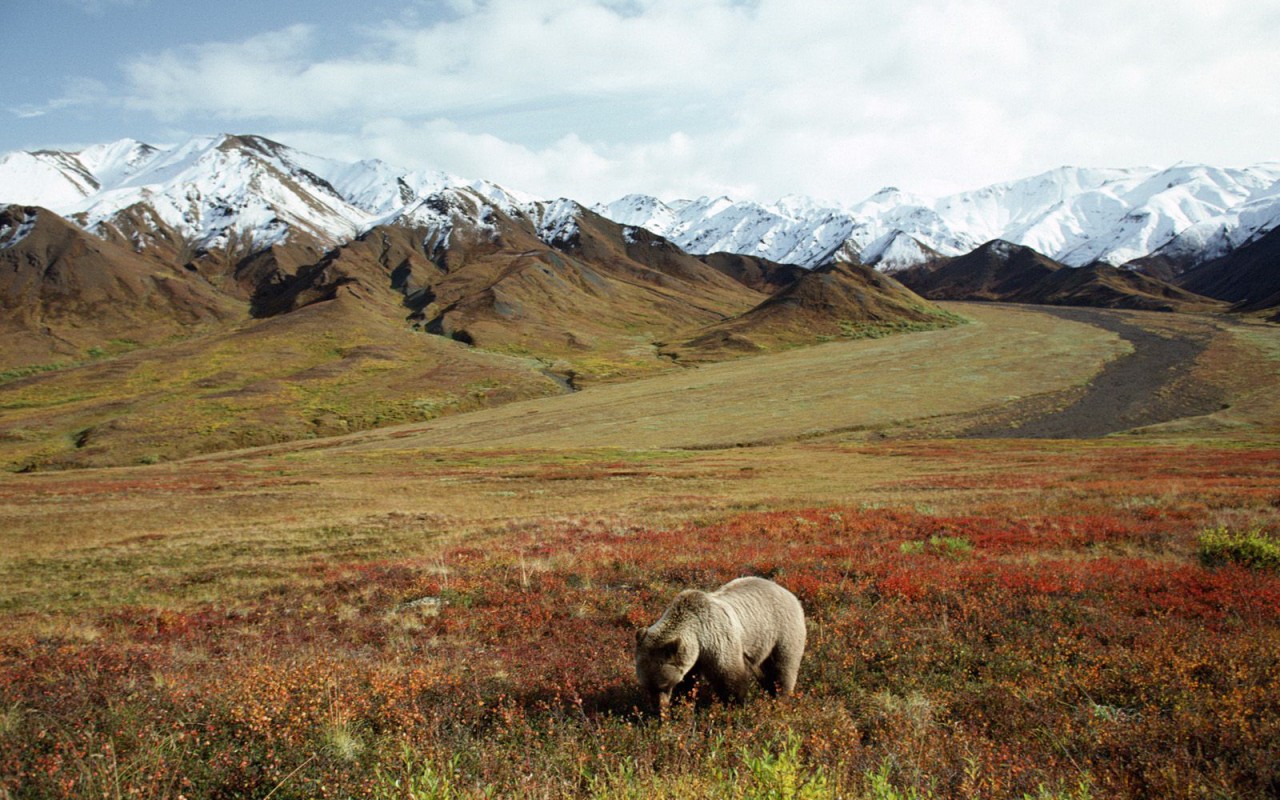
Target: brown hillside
(997, 270)
(598, 299)
(1249, 277)
(1104, 286)
(835, 301)
(342, 341)
(387, 267)
(758, 273)
(67, 294)
(1002, 271)
(329, 367)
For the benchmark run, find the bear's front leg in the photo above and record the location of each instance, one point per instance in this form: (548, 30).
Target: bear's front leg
(731, 677)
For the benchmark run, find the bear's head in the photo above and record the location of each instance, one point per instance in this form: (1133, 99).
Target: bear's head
(661, 663)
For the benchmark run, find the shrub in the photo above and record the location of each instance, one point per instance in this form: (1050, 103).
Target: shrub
(416, 780)
(880, 787)
(1252, 548)
(1011, 658)
(785, 776)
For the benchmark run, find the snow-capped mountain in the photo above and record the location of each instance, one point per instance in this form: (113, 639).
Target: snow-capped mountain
(214, 190)
(1077, 216)
(205, 189)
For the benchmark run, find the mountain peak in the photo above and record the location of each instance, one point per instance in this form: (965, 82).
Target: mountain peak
(258, 146)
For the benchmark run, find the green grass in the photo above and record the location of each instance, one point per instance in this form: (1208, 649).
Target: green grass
(111, 348)
(310, 375)
(850, 329)
(34, 369)
(274, 383)
(949, 546)
(848, 385)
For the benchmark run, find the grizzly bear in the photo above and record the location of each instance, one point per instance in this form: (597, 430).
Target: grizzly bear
(749, 630)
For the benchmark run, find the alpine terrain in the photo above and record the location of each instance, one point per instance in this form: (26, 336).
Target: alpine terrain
(335, 479)
(1186, 214)
(231, 291)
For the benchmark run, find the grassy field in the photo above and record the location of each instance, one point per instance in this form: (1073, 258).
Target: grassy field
(446, 610)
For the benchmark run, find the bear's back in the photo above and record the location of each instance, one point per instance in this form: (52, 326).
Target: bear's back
(752, 589)
(763, 608)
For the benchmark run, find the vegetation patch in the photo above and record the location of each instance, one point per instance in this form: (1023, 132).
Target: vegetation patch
(949, 546)
(33, 369)
(1035, 666)
(936, 319)
(1253, 548)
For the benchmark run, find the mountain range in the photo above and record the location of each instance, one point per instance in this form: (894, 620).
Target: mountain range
(232, 290)
(265, 211)
(1185, 214)
(211, 190)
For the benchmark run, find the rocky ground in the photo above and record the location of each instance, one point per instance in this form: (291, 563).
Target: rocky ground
(1154, 383)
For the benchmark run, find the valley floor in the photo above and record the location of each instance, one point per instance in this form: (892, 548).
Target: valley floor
(445, 608)
(1156, 382)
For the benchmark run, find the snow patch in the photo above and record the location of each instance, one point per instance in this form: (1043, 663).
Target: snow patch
(112, 163)
(894, 251)
(56, 181)
(10, 235)
(558, 221)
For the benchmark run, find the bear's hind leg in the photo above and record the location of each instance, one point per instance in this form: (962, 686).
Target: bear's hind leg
(767, 674)
(782, 667)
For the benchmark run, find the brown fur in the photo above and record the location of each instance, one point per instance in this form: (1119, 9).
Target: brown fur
(750, 630)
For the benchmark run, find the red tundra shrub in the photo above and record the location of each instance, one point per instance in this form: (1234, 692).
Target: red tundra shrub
(1011, 653)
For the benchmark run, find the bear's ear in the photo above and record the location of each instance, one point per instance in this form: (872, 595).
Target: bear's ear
(639, 635)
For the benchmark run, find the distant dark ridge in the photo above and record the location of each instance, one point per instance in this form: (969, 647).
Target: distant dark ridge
(1248, 277)
(1011, 273)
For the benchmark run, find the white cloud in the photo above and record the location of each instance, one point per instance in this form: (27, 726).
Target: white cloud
(79, 93)
(99, 7)
(682, 97)
(675, 166)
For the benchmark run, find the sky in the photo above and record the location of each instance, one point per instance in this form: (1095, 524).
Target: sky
(594, 99)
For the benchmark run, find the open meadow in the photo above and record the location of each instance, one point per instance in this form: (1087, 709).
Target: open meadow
(447, 608)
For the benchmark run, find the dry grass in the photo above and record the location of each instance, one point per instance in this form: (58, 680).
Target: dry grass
(405, 490)
(170, 535)
(987, 619)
